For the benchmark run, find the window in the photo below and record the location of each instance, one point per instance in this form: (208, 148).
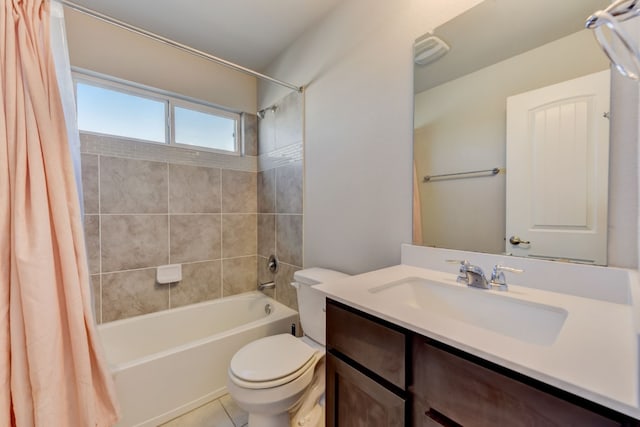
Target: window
(112, 112)
(203, 129)
(126, 110)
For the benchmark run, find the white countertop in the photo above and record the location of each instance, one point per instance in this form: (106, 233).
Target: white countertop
(595, 354)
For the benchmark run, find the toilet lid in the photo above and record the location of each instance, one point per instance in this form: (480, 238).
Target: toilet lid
(270, 358)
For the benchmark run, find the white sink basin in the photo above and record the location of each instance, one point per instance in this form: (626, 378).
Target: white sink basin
(526, 321)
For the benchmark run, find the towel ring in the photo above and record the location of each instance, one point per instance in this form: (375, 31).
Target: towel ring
(629, 66)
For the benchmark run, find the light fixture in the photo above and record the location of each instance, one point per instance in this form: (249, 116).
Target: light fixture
(429, 48)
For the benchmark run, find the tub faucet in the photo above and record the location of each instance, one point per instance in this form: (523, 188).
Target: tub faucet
(268, 285)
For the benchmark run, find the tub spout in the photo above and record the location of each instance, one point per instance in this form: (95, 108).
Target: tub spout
(268, 285)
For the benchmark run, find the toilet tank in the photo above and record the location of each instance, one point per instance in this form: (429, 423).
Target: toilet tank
(311, 303)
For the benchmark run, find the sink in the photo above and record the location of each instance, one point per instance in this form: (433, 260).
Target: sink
(526, 321)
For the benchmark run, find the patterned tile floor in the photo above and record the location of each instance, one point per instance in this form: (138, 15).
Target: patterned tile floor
(220, 413)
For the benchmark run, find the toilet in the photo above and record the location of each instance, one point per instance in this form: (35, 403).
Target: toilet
(269, 376)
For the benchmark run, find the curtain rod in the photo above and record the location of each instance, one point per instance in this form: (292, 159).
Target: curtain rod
(177, 45)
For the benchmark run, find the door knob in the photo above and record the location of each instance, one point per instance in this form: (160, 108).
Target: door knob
(515, 240)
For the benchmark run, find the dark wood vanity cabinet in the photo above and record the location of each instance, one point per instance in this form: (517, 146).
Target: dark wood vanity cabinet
(366, 371)
(379, 374)
(457, 391)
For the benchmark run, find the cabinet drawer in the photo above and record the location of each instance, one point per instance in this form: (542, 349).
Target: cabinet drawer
(373, 345)
(355, 400)
(472, 395)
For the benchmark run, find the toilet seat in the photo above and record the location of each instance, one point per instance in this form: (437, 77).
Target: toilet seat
(257, 385)
(271, 362)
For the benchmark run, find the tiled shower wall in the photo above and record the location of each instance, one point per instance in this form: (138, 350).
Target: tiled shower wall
(147, 205)
(280, 190)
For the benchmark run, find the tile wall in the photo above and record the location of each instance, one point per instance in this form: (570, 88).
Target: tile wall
(219, 216)
(280, 189)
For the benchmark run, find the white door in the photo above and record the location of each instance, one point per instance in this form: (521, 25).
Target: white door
(557, 171)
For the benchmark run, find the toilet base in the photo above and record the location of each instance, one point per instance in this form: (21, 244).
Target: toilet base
(260, 420)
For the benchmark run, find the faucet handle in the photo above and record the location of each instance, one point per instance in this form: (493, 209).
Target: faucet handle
(462, 274)
(497, 276)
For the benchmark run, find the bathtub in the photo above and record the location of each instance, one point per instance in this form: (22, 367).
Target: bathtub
(166, 363)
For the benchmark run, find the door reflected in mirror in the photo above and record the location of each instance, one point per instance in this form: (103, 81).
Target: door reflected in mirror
(549, 147)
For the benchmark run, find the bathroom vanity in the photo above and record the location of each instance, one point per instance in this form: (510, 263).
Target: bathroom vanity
(381, 375)
(537, 357)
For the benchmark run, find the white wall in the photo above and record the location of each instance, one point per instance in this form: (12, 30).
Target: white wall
(357, 65)
(105, 48)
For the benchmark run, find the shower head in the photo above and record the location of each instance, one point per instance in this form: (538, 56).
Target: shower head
(262, 113)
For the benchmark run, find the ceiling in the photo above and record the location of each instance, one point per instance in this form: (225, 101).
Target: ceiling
(250, 33)
(495, 30)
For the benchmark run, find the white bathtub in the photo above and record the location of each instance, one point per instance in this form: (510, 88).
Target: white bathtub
(169, 362)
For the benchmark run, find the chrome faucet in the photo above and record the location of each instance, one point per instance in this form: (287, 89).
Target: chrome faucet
(473, 276)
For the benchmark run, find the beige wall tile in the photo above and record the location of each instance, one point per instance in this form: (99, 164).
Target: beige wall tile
(289, 239)
(90, 179)
(92, 241)
(194, 189)
(289, 188)
(201, 281)
(285, 293)
(239, 275)
(267, 191)
(132, 186)
(194, 233)
(133, 241)
(265, 276)
(239, 235)
(266, 235)
(195, 238)
(250, 134)
(132, 293)
(239, 191)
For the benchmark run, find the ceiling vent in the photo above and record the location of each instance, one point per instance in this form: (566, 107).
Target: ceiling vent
(428, 49)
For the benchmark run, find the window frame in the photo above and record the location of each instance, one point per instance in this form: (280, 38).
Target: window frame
(170, 101)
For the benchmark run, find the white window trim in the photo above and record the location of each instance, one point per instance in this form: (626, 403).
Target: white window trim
(170, 101)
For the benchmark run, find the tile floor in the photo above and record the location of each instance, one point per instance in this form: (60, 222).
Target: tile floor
(220, 413)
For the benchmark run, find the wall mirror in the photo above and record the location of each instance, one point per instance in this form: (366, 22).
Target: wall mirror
(522, 95)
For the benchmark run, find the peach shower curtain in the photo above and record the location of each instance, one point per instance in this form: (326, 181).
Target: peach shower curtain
(417, 209)
(51, 372)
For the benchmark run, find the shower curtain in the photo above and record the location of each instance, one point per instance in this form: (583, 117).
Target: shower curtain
(52, 372)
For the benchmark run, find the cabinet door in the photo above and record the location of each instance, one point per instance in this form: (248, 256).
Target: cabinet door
(355, 400)
(471, 395)
(367, 342)
(423, 416)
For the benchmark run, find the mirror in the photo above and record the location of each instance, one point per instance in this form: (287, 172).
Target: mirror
(500, 50)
